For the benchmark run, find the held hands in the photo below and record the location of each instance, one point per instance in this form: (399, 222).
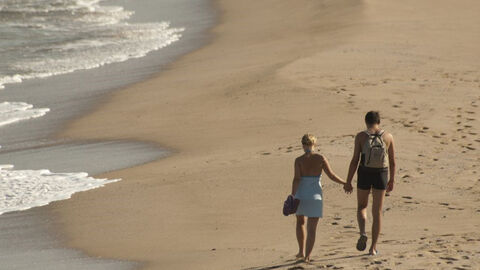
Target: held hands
(348, 188)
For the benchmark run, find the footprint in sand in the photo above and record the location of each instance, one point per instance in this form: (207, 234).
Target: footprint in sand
(296, 268)
(449, 259)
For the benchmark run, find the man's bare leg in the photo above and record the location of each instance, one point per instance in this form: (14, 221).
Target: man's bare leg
(378, 197)
(311, 234)
(301, 236)
(362, 199)
(362, 203)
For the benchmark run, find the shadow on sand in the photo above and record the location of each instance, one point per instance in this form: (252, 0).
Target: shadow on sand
(297, 264)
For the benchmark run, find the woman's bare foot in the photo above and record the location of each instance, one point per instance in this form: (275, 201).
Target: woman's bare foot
(307, 260)
(299, 255)
(373, 252)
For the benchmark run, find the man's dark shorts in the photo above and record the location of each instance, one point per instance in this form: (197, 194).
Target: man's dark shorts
(372, 177)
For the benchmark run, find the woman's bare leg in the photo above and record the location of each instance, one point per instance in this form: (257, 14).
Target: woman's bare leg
(301, 236)
(311, 234)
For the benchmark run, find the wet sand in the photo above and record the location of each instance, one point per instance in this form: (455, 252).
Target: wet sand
(235, 110)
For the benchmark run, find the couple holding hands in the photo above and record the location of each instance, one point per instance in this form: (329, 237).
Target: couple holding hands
(374, 150)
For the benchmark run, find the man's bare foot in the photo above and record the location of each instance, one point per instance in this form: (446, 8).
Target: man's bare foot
(362, 242)
(373, 252)
(299, 255)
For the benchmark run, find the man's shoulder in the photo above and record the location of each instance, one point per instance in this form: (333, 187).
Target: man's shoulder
(361, 135)
(387, 135)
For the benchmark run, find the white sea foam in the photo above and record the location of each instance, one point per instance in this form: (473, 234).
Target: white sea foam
(11, 112)
(50, 37)
(24, 189)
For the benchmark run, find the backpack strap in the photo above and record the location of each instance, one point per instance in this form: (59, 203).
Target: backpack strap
(380, 133)
(376, 135)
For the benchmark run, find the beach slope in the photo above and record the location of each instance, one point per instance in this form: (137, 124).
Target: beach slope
(233, 113)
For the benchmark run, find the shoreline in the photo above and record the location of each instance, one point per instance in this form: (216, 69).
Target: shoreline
(249, 96)
(34, 144)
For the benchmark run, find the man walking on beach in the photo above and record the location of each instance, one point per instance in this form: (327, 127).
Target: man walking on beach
(374, 149)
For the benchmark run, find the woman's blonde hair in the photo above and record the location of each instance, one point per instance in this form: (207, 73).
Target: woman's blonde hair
(309, 139)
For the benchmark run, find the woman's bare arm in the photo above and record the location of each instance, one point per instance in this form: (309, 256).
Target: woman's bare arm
(296, 177)
(330, 173)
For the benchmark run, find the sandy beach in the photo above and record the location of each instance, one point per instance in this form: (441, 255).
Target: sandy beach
(232, 113)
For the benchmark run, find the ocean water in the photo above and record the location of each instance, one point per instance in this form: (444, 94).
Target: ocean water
(24, 189)
(11, 112)
(43, 38)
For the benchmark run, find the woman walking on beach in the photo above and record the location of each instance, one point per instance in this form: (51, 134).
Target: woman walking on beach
(307, 188)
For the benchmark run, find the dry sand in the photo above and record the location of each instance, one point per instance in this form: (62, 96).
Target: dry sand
(233, 113)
